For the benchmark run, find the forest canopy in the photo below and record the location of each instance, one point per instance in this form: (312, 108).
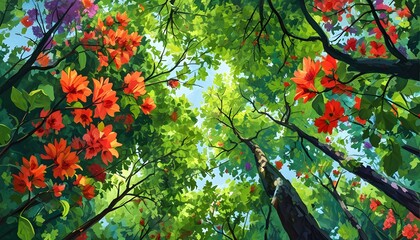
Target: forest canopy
(214, 119)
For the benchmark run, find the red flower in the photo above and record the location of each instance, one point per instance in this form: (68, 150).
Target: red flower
(333, 113)
(286, 84)
(411, 217)
(88, 191)
(129, 119)
(26, 22)
(58, 188)
(82, 236)
(357, 104)
(30, 175)
(134, 84)
(378, 49)
(76, 86)
(82, 116)
(174, 116)
(77, 143)
(409, 231)
(305, 93)
(104, 98)
(359, 120)
(336, 172)
(390, 220)
(362, 48)
(173, 83)
(279, 165)
(329, 64)
(148, 105)
(351, 44)
(54, 121)
(101, 139)
(374, 203)
(97, 172)
(362, 197)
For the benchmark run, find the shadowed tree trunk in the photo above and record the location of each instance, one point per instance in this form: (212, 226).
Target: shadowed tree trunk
(293, 214)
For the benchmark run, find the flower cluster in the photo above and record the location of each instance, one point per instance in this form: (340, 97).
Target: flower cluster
(120, 45)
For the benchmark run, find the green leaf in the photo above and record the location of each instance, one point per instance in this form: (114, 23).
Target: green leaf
(365, 113)
(5, 134)
(25, 229)
(392, 160)
(18, 100)
(400, 85)
(38, 99)
(318, 104)
(135, 110)
(66, 207)
(374, 140)
(82, 60)
(48, 90)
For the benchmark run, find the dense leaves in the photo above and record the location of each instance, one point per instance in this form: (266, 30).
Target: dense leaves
(209, 119)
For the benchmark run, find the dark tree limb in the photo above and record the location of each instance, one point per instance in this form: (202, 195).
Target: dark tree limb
(293, 214)
(408, 69)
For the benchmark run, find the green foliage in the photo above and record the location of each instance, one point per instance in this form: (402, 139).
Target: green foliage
(25, 229)
(192, 175)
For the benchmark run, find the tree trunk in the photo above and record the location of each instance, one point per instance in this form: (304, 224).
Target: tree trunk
(406, 197)
(293, 214)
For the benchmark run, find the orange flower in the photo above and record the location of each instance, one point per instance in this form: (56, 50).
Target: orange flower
(103, 60)
(58, 188)
(306, 77)
(87, 3)
(134, 84)
(123, 19)
(329, 64)
(104, 98)
(53, 150)
(148, 105)
(76, 86)
(43, 60)
(82, 116)
(109, 21)
(80, 180)
(26, 22)
(66, 164)
(30, 175)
